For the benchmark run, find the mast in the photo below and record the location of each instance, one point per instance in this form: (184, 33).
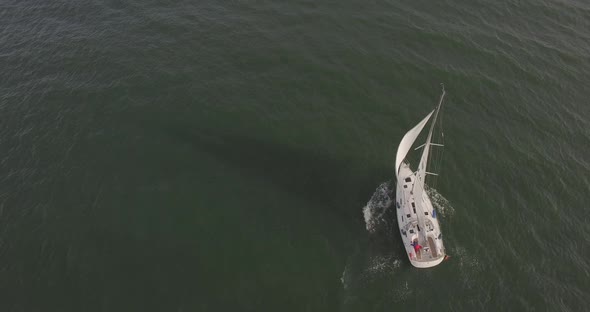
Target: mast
(418, 188)
(425, 153)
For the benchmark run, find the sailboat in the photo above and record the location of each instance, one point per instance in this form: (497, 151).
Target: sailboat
(416, 216)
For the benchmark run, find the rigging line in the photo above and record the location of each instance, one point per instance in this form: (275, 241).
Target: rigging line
(439, 154)
(443, 142)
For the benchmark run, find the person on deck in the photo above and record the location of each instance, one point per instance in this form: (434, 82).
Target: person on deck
(417, 247)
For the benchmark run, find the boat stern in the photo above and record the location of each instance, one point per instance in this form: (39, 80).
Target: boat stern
(428, 263)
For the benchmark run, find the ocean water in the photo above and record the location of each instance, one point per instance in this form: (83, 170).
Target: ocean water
(238, 155)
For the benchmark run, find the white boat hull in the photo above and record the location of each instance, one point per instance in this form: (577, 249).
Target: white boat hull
(427, 235)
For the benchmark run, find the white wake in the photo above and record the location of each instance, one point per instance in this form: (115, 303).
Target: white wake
(441, 204)
(377, 206)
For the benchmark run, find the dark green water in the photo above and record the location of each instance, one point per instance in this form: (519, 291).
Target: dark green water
(236, 155)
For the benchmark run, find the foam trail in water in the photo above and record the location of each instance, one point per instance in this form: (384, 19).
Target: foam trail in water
(388, 267)
(343, 279)
(377, 206)
(382, 264)
(441, 204)
(468, 264)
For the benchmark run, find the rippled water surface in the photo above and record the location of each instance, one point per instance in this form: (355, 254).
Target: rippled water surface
(238, 155)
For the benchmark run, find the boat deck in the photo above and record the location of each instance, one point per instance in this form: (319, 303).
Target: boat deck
(417, 221)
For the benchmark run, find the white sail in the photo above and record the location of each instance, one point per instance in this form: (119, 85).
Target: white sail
(407, 141)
